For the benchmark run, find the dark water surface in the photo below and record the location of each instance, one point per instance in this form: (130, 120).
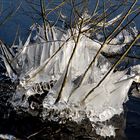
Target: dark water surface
(25, 17)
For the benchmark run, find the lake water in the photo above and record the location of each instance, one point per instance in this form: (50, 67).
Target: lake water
(22, 20)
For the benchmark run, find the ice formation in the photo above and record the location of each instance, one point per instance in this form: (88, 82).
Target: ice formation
(7, 137)
(64, 63)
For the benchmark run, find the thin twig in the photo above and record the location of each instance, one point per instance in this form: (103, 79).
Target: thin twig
(67, 68)
(113, 67)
